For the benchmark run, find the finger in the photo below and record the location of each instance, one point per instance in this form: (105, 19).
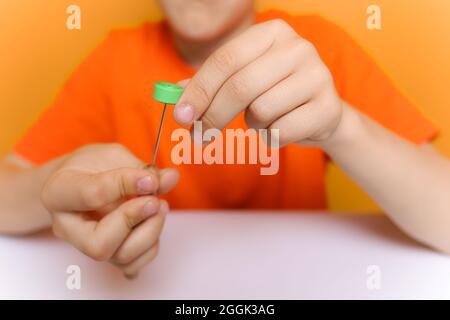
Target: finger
(223, 63)
(110, 207)
(241, 89)
(132, 269)
(300, 124)
(168, 179)
(142, 238)
(100, 239)
(74, 191)
(284, 97)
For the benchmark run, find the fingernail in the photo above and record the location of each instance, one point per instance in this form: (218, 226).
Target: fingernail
(145, 185)
(150, 209)
(183, 113)
(164, 208)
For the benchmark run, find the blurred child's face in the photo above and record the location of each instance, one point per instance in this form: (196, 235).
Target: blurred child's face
(205, 20)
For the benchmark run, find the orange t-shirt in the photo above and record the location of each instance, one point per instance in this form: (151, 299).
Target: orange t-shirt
(109, 99)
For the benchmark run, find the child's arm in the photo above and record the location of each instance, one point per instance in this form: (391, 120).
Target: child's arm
(279, 80)
(99, 198)
(412, 184)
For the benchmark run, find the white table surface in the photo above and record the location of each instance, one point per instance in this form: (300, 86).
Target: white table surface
(237, 255)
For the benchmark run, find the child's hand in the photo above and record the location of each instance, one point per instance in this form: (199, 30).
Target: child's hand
(94, 205)
(273, 75)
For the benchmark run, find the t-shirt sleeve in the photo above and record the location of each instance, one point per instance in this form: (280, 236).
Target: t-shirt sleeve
(80, 114)
(362, 83)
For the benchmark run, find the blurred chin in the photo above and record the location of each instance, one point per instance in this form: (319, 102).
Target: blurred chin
(202, 21)
(199, 34)
(200, 29)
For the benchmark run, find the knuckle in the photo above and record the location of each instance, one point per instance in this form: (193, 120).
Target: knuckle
(130, 218)
(224, 60)
(123, 257)
(322, 75)
(309, 47)
(260, 112)
(303, 48)
(96, 249)
(200, 91)
(238, 88)
(93, 195)
(279, 25)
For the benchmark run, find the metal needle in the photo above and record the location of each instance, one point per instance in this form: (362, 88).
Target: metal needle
(155, 151)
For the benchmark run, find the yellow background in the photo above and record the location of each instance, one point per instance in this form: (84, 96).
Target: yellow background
(37, 53)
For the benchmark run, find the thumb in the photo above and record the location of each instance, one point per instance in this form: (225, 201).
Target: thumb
(74, 191)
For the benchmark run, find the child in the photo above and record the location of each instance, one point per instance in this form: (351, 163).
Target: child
(84, 160)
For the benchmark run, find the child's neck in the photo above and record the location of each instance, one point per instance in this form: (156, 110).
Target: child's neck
(195, 53)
